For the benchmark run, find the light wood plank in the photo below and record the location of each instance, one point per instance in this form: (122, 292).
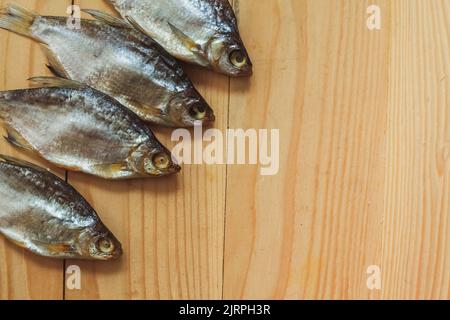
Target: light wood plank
(171, 228)
(416, 237)
(22, 274)
(364, 146)
(364, 179)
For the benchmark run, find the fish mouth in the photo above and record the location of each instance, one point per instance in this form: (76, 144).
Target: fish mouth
(233, 71)
(173, 169)
(115, 256)
(203, 114)
(244, 73)
(239, 62)
(210, 119)
(206, 121)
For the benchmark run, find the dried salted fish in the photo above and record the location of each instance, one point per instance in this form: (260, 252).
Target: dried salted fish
(203, 32)
(81, 129)
(44, 214)
(110, 56)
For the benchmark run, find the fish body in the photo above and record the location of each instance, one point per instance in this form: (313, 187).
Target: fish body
(44, 214)
(81, 129)
(203, 32)
(112, 57)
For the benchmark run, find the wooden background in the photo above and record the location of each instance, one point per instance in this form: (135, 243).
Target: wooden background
(364, 175)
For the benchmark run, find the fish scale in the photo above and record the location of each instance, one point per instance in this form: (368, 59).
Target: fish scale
(45, 215)
(110, 56)
(79, 128)
(203, 32)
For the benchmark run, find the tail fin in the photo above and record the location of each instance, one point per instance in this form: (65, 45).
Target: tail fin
(17, 19)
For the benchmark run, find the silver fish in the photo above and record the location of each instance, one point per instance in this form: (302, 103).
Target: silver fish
(44, 214)
(204, 32)
(112, 57)
(81, 129)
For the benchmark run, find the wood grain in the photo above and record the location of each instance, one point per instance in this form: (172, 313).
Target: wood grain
(415, 252)
(364, 180)
(364, 119)
(171, 228)
(22, 274)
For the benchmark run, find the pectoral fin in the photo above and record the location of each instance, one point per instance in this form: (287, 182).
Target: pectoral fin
(56, 249)
(145, 112)
(112, 171)
(187, 41)
(51, 249)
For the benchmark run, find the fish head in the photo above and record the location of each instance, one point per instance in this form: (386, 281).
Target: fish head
(188, 107)
(153, 159)
(99, 244)
(227, 55)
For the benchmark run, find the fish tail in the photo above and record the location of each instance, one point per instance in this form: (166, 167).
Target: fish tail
(17, 19)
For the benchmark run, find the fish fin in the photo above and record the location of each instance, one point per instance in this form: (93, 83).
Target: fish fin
(139, 108)
(110, 170)
(56, 248)
(53, 249)
(21, 163)
(17, 19)
(57, 82)
(107, 18)
(54, 65)
(55, 71)
(187, 41)
(14, 138)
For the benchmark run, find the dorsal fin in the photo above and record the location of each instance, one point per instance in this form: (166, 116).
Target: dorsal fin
(21, 163)
(57, 82)
(107, 18)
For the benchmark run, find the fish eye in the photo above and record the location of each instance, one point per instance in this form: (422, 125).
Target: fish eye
(198, 112)
(161, 161)
(105, 245)
(238, 59)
